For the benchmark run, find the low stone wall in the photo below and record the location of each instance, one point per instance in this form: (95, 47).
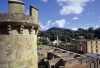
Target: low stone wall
(76, 63)
(67, 47)
(69, 60)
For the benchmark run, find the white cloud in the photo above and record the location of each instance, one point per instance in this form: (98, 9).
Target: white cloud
(75, 18)
(44, 0)
(45, 27)
(74, 29)
(97, 26)
(48, 23)
(72, 6)
(41, 25)
(13, 0)
(59, 23)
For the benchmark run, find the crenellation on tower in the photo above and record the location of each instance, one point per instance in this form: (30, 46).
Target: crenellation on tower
(16, 6)
(34, 13)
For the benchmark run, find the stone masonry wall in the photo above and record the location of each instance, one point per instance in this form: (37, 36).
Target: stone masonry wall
(16, 7)
(76, 63)
(18, 50)
(34, 13)
(18, 37)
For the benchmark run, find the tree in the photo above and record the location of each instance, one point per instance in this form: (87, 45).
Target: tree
(91, 29)
(68, 34)
(97, 33)
(42, 41)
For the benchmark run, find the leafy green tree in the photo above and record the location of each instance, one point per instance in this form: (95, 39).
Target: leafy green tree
(91, 29)
(97, 33)
(42, 41)
(68, 34)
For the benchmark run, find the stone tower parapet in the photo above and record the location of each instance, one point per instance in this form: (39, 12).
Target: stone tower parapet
(16, 6)
(34, 13)
(18, 37)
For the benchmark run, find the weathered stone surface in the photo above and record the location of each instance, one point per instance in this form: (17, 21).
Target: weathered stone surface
(16, 6)
(34, 13)
(18, 38)
(20, 51)
(17, 19)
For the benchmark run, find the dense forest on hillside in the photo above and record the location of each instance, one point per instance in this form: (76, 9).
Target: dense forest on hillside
(68, 34)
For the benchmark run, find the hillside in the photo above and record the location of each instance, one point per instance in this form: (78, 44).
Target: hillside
(68, 34)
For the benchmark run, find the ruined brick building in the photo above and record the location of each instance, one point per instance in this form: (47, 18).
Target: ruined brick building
(18, 36)
(91, 46)
(82, 46)
(59, 58)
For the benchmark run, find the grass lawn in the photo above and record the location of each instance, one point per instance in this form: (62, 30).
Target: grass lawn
(40, 46)
(68, 43)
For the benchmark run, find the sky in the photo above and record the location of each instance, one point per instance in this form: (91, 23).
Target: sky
(70, 14)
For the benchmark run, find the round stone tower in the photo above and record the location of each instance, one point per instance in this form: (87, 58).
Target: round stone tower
(18, 37)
